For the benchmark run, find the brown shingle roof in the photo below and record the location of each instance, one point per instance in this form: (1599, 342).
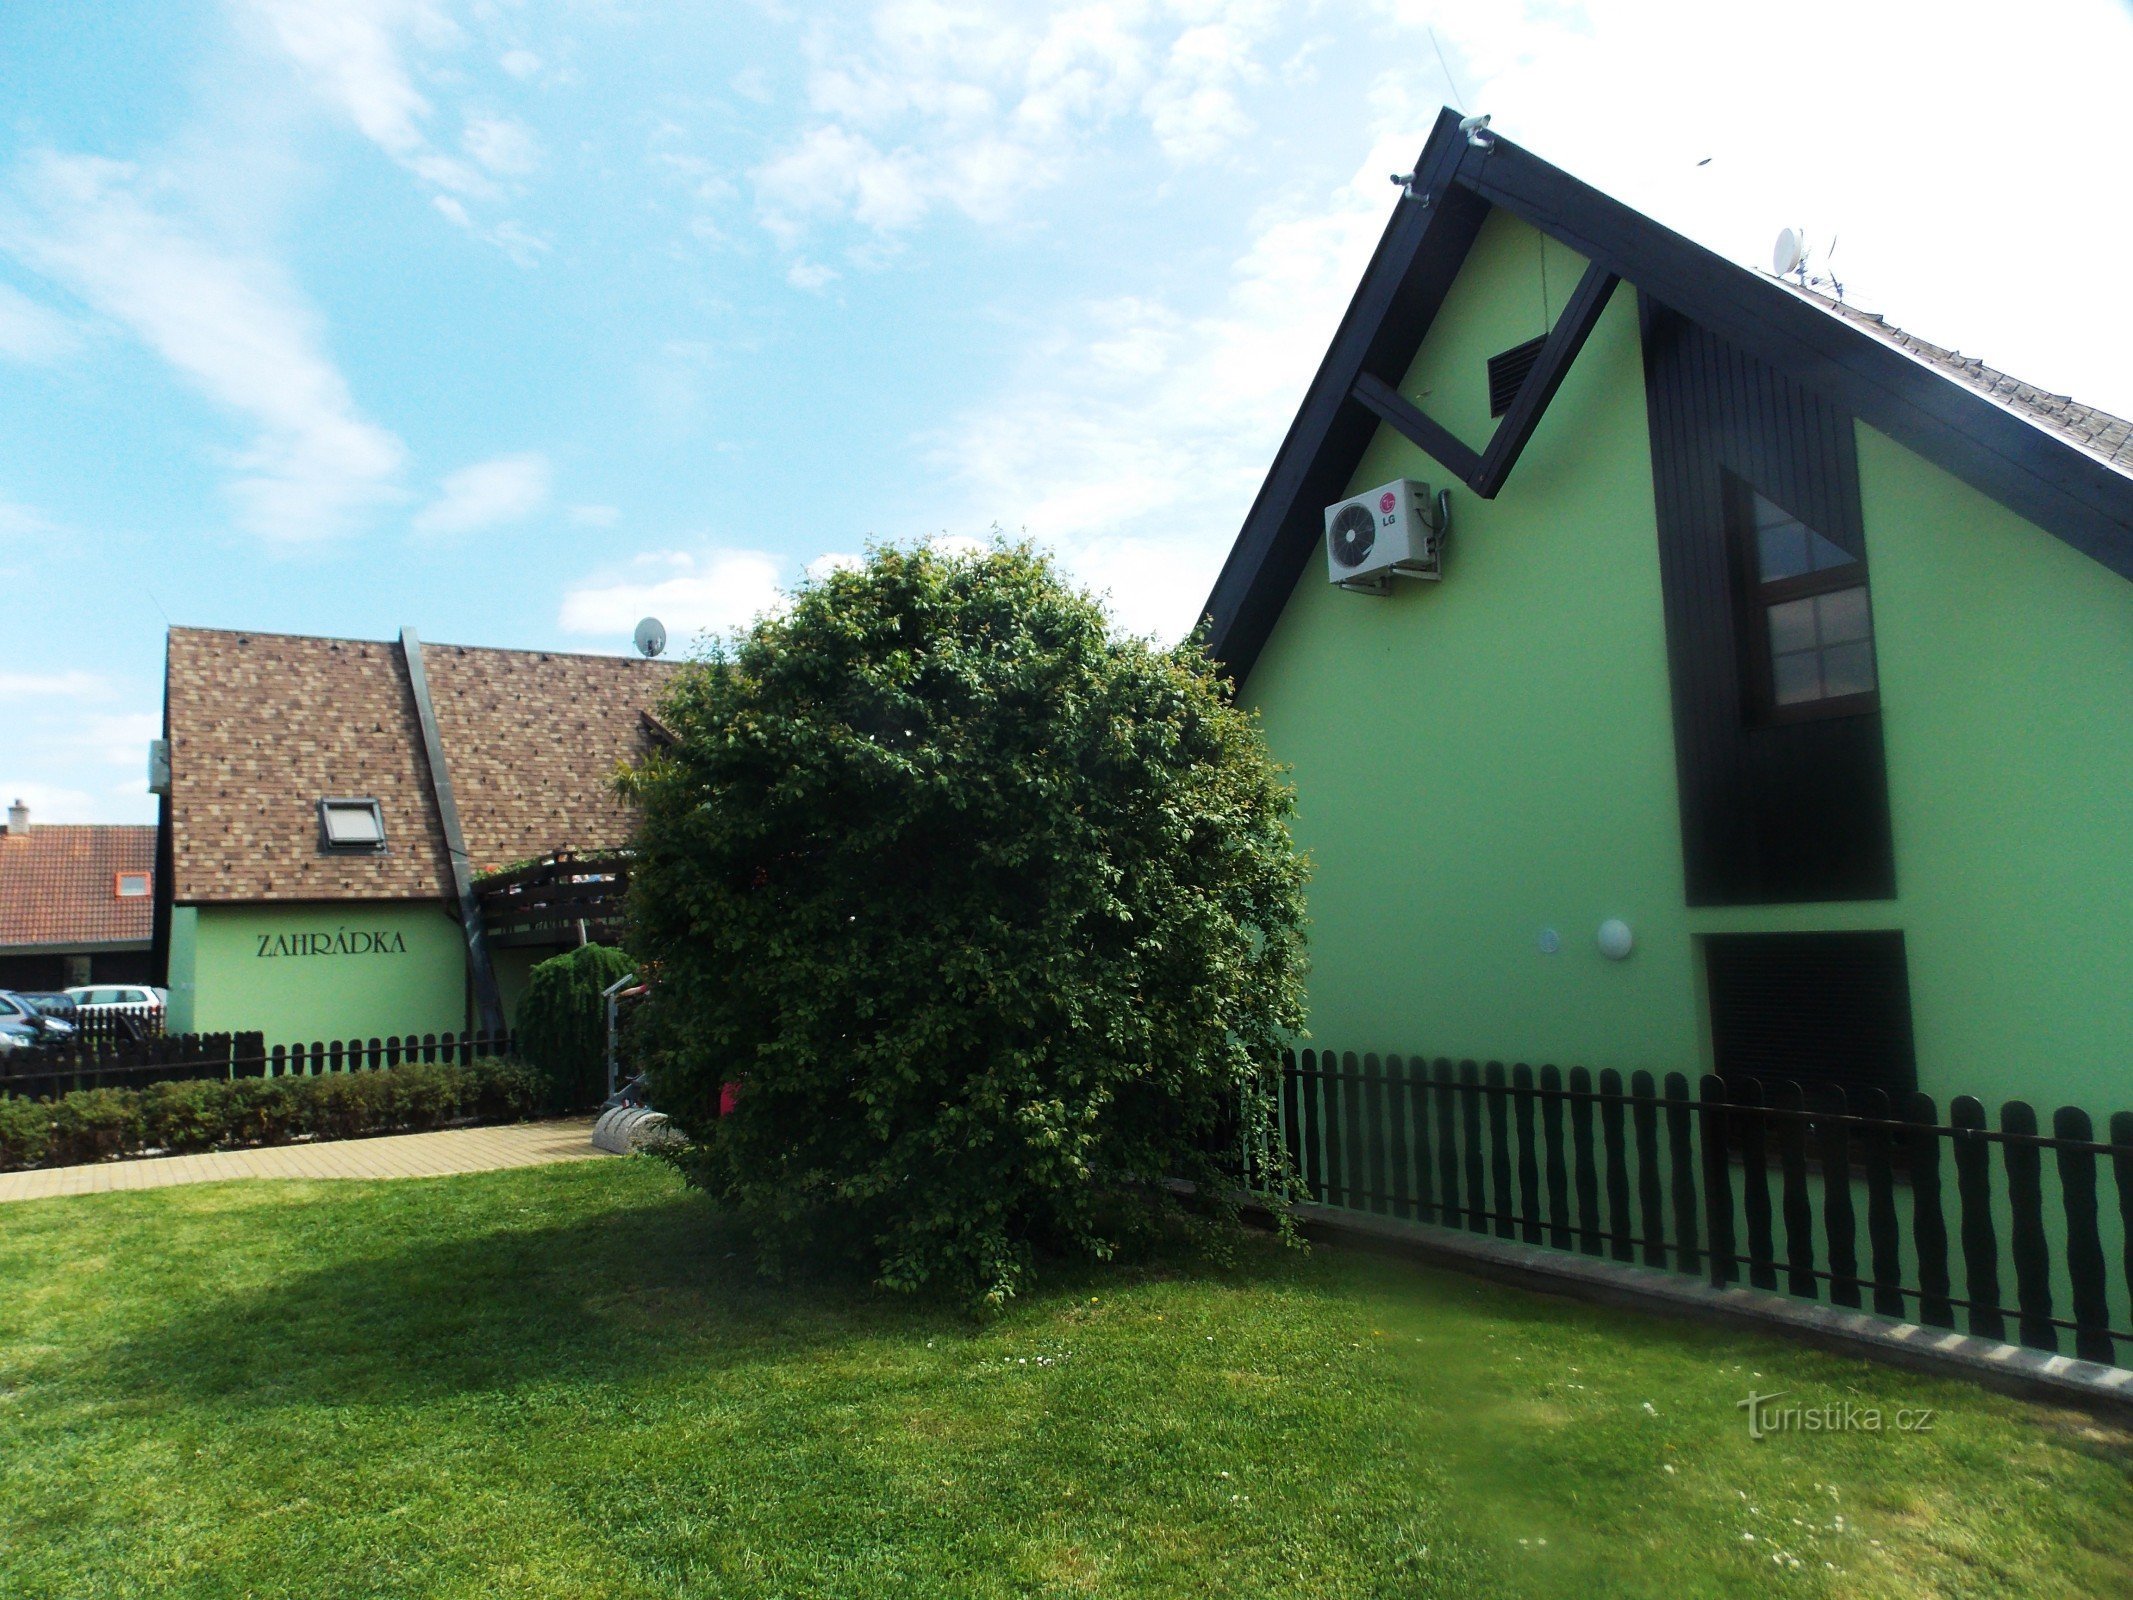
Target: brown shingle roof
(532, 739)
(2098, 432)
(264, 725)
(59, 888)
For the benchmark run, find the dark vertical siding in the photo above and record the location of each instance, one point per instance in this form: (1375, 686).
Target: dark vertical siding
(1770, 813)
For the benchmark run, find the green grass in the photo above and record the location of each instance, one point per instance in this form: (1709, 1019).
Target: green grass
(569, 1381)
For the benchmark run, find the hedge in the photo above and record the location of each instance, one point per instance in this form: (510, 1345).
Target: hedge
(223, 1114)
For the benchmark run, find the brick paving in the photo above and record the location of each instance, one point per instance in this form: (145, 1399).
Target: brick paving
(399, 1155)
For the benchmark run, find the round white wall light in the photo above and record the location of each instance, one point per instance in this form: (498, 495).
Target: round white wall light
(1616, 941)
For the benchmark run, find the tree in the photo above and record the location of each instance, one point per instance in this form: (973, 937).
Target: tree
(562, 1021)
(993, 917)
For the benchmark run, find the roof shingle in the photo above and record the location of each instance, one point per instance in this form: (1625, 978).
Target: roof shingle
(262, 726)
(59, 885)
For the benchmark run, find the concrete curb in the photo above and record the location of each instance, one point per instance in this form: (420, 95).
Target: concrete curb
(2033, 1374)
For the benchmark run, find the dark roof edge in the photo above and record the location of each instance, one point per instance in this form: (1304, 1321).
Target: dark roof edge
(2042, 477)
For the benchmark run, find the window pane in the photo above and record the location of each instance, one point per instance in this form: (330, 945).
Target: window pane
(1781, 552)
(353, 824)
(132, 885)
(1792, 627)
(1796, 679)
(1827, 554)
(1842, 616)
(1848, 669)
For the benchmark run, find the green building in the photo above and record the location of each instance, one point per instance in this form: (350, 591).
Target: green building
(1783, 654)
(347, 826)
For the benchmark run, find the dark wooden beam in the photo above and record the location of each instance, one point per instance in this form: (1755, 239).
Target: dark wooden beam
(1422, 430)
(1411, 271)
(2016, 462)
(1552, 365)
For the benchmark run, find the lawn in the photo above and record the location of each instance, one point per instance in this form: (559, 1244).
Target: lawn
(569, 1381)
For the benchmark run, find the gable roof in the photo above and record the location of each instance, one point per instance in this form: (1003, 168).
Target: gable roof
(59, 889)
(2053, 465)
(262, 726)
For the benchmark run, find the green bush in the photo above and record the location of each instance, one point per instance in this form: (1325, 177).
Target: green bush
(562, 1022)
(222, 1114)
(992, 914)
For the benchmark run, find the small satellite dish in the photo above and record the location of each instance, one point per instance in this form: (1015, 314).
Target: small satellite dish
(651, 637)
(1787, 254)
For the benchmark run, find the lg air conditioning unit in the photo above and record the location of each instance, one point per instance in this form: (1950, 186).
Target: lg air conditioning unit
(1393, 531)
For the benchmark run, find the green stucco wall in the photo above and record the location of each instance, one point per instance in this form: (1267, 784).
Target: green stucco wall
(1482, 759)
(329, 971)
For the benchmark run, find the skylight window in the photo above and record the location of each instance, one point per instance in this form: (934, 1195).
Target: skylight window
(350, 826)
(130, 885)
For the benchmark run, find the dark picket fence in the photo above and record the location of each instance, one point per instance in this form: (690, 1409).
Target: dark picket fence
(133, 1064)
(1667, 1178)
(117, 1024)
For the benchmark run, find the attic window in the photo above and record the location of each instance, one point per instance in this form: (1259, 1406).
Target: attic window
(130, 885)
(1507, 373)
(348, 826)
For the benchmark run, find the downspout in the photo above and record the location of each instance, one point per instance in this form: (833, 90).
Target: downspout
(163, 882)
(487, 1001)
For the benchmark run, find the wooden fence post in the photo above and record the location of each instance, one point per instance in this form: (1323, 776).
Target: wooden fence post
(1791, 1107)
(1586, 1175)
(1833, 1146)
(1681, 1167)
(1981, 1245)
(1717, 1181)
(2025, 1201)
(2084, 1246)
(1499, 1153)
(1529, 1189)
(1551, 1082)
(1651, 1199)
(1619, 1231)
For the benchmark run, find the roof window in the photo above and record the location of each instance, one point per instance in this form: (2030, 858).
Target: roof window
(350, 826)
(130, 885)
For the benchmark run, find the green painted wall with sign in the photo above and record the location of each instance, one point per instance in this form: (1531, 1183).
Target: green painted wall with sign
(297, 973)
(1481, 760)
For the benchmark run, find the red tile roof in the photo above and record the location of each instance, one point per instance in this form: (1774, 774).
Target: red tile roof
(59, 890)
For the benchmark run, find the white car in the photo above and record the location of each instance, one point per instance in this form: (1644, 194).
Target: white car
(93, 998)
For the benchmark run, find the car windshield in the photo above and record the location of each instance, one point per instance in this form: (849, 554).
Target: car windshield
(11, 1007)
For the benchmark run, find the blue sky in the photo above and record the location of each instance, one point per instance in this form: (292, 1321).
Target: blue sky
(515, 321)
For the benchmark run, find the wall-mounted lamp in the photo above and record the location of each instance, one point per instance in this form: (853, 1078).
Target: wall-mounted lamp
(1615, 939)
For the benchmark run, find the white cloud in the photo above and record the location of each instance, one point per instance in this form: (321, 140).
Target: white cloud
(971, 107)
(17, 519)
(1133, 436)
(810, 275)
(357, 55)
(352, 51)
(231, 324)
(591, 516)
(501, 144)
(692, 592)
(488, 494)
(74, 752)
(835, 561)
(72, 685)
(31, 332)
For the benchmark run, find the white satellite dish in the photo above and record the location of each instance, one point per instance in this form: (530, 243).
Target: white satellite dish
(1787, 254)
(651, 637)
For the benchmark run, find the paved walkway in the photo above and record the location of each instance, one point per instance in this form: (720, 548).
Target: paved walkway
(399, 1155)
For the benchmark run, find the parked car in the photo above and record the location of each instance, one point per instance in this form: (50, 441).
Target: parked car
(52, 1004)
(28, 1026)
(94, 998)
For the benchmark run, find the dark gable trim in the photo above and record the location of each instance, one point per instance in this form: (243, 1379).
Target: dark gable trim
(2041, 478)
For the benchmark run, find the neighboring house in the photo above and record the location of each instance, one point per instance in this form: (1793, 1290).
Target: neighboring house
(1799, 646)
(76, 902)
(326, 809)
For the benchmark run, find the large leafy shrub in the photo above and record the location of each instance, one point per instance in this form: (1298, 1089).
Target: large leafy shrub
(562, 1021)
(993, 916)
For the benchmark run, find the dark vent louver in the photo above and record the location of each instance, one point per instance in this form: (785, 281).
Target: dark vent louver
(1815, 1008)
(1507, 373)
